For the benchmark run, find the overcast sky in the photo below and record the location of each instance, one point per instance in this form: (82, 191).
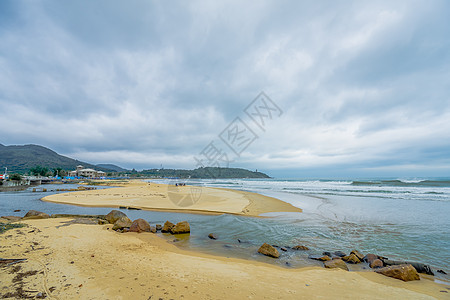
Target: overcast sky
(363, 86)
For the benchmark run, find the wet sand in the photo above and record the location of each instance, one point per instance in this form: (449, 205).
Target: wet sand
(188, 199)
(79, 261)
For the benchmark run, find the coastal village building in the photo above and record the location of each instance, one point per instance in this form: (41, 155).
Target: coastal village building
(88, 173)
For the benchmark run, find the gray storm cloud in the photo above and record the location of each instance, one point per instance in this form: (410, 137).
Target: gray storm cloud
(364, 86)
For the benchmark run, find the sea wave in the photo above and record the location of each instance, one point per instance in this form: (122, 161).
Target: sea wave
(404, 183)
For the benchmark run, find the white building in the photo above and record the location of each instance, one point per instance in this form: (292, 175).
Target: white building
(88, 173)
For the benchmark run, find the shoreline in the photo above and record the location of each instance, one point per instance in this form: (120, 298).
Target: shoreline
(142, 265)
(168, 198)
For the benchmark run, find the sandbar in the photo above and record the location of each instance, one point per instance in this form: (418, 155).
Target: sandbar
(161, 197)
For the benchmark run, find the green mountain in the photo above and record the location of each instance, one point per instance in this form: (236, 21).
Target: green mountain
(207, 173)
(20, 158)
(112, 167)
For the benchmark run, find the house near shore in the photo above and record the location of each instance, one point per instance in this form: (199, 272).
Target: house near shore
(88, 173)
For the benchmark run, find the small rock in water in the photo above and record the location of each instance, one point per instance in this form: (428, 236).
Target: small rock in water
(319, 257)
(339, 253)
(269, 250)
(352, 258)
(441, 271)
(327, 253)
(283, 249)
(402, 272)
(17, 210)
(181, 227)
(300, 247)
(167, 226)
(158, 227)
(212, 236)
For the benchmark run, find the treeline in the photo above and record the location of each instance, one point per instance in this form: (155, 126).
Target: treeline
(206, 173)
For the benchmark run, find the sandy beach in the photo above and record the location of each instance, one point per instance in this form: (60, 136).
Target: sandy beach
(66, 260)
(161, 197)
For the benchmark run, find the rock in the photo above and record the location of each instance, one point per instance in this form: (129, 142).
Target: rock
(125, 230)
(17, 210)
(181, 227)
(369, 258)
(421, 268)
(114, 215)
(140, 225)
(12, 218)
(300, 247)
(352, 258)
(34, 214)
(158, 227)
(402, 272)
(283, 249)
(152, 229)
(121, 223)
(167, 226)
(319, 257)
(336, 263)
(442, 272)
(212, 236)
(269, 250)
(102, 222)
(327, 253)
(377, 263)
(358, 254)
(339, 253)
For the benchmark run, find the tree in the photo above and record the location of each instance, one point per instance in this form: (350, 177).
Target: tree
(38, 170)
(59, 172)
(16, 177)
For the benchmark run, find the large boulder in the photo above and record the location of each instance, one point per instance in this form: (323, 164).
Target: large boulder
(358, 254)
(352, 259)
(114, 215)
(121, 223)
(34, 214)
(300, 247)
(167, 226)
(335, 263)
(140, 225)
(181, 227)
(377, 263)
(420, 267)
(269, 250)
(402, 272)
(369, 258)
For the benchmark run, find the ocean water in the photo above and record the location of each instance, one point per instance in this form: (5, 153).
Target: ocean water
(399, 219)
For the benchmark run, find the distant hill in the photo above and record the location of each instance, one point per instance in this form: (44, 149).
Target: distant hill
(208, 173)
(112, 167)
(20, 158)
